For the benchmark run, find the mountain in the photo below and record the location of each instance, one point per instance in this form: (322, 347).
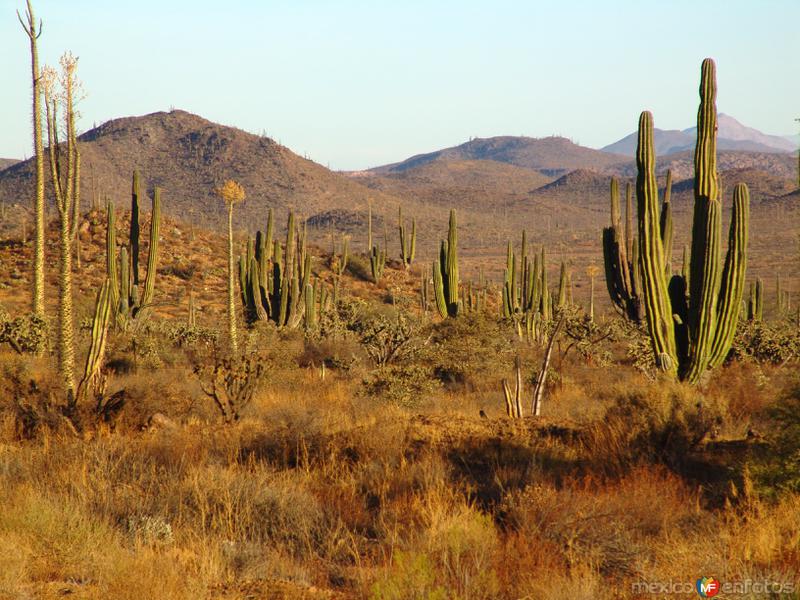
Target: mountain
(553, 156)
(732, 135)
(457, 183)
(682, 164)
(188, 156)
(7, 162)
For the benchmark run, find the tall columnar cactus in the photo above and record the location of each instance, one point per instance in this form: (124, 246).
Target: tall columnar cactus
(340, 262)
(445, 272)
(408, 243)
(231, 193)
(563, 285)
(424, 291)
(377, 262)
(134, 230)
(525, 295)
(755, 305)
(126, 301)
(691, 337)
(620, 268)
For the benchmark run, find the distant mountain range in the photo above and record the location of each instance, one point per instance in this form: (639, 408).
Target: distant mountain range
(553, 156)
(732, 135)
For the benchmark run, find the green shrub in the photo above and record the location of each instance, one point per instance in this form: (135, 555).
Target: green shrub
(402, 385)
(465, 350)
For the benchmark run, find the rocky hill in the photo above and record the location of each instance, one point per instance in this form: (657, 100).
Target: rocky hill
(188, 156)
(553, 156)
(7, 162)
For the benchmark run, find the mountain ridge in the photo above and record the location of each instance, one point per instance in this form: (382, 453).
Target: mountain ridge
(732, 135)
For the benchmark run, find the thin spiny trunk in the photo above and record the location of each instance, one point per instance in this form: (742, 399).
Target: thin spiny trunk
(231, 293)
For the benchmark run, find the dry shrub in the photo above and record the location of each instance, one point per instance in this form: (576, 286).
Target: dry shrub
(612, 526)
(661, 422)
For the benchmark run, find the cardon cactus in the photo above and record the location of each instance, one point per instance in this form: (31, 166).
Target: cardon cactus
(445, 273)
(274, 284)
(126, 301)
(755, 305)
(408, 243)
(691, 333)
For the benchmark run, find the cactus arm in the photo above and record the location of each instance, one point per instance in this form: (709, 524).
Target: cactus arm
(651, 252)
(733, 277)
(152, 257)
(438, 290)
(666, 223)
(452, 265)
(706, 230)
(134, 231)
(111, 257)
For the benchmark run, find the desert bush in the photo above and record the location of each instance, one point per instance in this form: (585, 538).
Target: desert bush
(464, 350)
(26, 333)
(777, 471)
(358, 266)
(402, 385)
(231, 382)
(388, 340)
(590, 339)
(776, 343)
(660, 423)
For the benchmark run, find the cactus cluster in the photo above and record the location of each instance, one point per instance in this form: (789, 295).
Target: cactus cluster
(445, 273)
(526, 296)
(127, 303)
(692, 323)
(275, 281)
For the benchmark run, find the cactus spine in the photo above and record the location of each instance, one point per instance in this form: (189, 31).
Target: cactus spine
(688, 339)
(445, 272)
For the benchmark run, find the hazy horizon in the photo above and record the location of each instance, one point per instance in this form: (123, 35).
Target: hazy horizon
(356, 85)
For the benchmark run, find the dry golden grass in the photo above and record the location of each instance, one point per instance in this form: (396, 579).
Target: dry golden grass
(320, 492)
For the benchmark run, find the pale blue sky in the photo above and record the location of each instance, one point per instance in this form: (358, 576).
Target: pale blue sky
(357, 84)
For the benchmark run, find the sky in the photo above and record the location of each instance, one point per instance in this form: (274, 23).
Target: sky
(356, 84)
